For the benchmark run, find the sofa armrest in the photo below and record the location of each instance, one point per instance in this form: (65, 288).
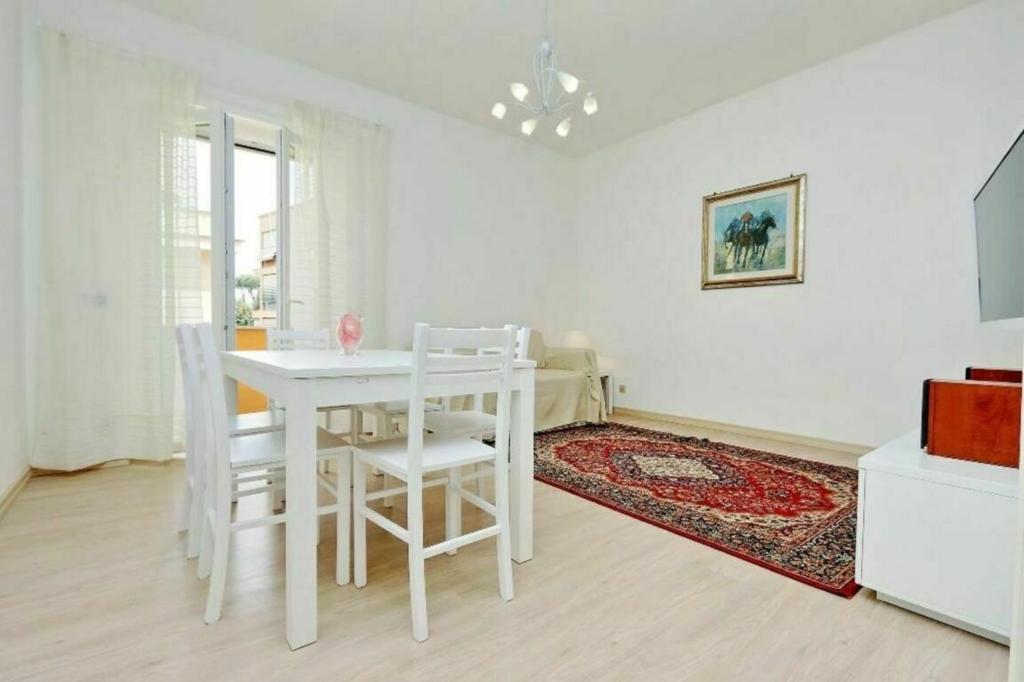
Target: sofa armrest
(584, 361)
(580, 359)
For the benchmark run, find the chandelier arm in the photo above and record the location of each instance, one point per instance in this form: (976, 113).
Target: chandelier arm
(554, 105)
(552, 72)
(537, 82)
(543, 84)
(529, 107)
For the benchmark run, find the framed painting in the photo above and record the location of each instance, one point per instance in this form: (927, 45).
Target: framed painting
(754, 235)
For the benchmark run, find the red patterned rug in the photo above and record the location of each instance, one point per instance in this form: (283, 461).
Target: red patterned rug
(793, 516)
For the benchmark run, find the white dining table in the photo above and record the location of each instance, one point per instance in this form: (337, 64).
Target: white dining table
(304, 380)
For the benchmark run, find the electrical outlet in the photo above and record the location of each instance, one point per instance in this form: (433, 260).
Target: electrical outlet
(622, 388)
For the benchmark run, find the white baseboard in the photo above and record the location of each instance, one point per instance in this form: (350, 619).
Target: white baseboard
(781, 436)
(7, 498)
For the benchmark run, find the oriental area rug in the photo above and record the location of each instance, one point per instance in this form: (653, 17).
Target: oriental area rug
(792, 516)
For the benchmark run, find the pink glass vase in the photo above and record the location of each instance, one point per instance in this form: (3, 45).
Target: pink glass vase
(350, 332)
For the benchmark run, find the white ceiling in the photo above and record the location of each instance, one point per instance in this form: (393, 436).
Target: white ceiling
(648, 61)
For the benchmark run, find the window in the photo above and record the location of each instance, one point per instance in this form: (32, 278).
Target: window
(268, 244)
(268, 291)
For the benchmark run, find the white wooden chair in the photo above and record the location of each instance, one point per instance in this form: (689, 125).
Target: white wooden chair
(475, 422)
(190, 509)
(409, 458)
(228, 460)
(388, 416)
(243, 424)
(298, 339)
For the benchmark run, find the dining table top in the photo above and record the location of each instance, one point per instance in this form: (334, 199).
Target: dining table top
(315, 364)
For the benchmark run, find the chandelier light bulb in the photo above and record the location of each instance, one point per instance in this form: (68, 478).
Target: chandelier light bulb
(564, 127)
(498, 111)
(519, 91)
(528, 126)
(589, 104)
(569, 82)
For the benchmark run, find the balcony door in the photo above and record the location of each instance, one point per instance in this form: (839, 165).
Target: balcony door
(246, 260)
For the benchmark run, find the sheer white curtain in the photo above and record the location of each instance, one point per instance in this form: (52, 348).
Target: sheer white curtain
(120, 257)
(338, 245)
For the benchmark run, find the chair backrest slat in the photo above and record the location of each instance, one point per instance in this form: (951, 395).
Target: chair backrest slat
(465, 339)
(463, 363)
(442, 384)
(295, 339)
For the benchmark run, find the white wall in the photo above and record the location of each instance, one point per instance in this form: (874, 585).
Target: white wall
(480, 223)
(896, 139)
(13, 456)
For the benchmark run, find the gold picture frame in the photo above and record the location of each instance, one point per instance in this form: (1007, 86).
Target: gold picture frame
(754, 235)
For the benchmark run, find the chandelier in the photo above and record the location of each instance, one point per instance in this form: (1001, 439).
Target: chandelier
(555, 92)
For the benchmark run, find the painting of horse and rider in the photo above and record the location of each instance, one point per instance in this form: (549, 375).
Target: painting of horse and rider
(754, 235)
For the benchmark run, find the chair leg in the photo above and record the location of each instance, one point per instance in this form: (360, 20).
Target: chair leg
(195, 523)
(344, 520)
(501, 504)
(359, 522)
(218, 576)
(185, 507)
(206, 547)
(417, 563)
(453, 507)
(354, 425)
(325, 464)
(478, 468)
(388, 433)
(277, 496)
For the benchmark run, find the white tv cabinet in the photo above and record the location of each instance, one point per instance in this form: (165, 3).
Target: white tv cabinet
(936, 536)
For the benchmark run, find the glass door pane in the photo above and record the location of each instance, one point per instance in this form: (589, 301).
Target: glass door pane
(255, 253)
(204, 217)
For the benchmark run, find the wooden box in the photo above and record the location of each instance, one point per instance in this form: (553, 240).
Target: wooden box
(1009, 376)
(977, 421)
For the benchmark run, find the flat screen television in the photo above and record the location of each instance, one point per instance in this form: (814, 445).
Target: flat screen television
(999, 222)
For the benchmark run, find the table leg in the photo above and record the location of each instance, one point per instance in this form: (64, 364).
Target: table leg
(521, 479)
(301, 525)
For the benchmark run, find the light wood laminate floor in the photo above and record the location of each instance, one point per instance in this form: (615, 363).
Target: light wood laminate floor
(94, 586)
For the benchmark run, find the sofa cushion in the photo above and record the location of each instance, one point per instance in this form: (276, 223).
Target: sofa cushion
(559, 377)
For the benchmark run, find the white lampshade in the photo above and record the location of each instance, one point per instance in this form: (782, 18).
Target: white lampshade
(519, 91)
(528, 126)
(564, 127)
(498, 111)
(568, 81)
(589, 104)
(576, 339)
